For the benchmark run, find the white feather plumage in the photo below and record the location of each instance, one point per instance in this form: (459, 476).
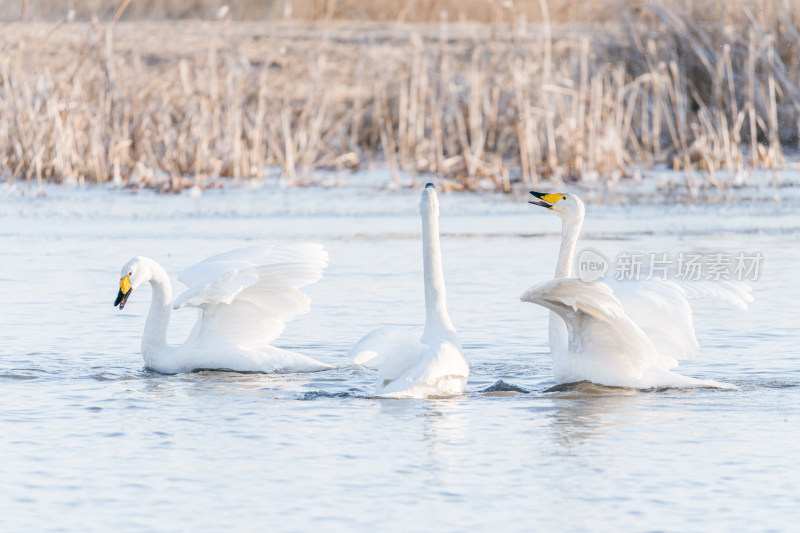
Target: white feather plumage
(409, 366)
(621, 333)
(244, 299)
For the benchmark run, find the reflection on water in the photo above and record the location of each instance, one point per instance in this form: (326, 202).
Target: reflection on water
(88, 436)
(444, 425)
(579, 415)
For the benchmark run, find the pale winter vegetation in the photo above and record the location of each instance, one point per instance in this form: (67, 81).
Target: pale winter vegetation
(486, 93)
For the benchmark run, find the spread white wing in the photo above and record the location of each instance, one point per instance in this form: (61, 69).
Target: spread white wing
(661, 308)
(246, 296)
(732, 292)
(605, 345)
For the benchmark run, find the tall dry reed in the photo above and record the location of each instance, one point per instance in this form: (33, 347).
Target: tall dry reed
(174, 104)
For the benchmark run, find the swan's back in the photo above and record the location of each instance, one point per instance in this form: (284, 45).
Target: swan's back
(390, 350)
(440, 370)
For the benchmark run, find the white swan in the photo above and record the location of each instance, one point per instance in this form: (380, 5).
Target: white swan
(409, 366)
(244, 298)
(629, 333)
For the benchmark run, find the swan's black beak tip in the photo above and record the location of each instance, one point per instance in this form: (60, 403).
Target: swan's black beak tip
(544, 199)
(430, 186)
(122, 298)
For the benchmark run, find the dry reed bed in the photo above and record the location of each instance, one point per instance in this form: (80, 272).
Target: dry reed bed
(171, 105)
(489, 11)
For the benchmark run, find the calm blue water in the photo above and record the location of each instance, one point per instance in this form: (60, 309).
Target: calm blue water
(89, 441)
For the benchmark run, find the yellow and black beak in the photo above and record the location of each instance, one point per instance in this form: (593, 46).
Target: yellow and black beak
(125, 290)
(546, 200)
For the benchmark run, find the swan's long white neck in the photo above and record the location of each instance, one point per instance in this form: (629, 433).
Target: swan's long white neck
(570, 230)
(155, 328)
(437, 321)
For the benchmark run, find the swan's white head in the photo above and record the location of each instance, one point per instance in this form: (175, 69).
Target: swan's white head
(134, 273)
(429, 203)
(567, 206)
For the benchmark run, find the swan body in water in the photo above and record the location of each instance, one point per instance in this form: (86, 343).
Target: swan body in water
(620, 333)
(244, 299)
(409, 366)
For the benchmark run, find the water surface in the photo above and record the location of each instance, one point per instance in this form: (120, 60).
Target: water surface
(91, 441)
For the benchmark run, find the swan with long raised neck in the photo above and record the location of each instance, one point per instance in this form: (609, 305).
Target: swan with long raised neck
(410, 366)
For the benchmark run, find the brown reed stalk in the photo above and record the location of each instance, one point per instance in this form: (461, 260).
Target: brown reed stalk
(149, 104)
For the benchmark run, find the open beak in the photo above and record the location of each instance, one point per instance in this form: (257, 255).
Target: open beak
(125, 290)
(545, 200)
